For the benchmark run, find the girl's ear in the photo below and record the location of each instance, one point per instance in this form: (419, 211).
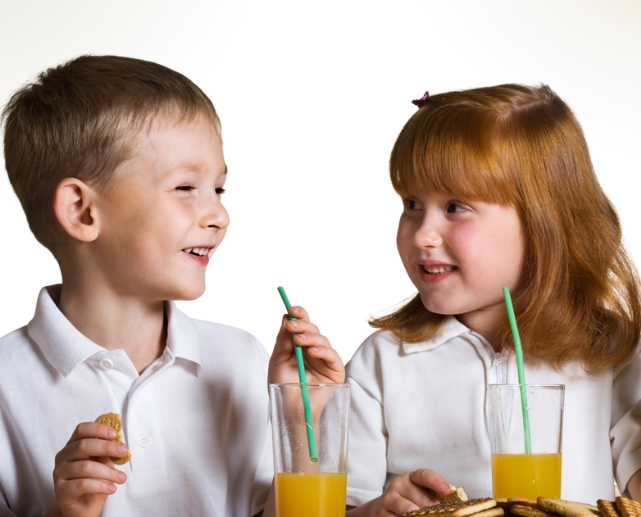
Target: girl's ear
(73, 204)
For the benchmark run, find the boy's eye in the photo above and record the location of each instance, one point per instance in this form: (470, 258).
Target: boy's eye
(220, 191)
(185, 188)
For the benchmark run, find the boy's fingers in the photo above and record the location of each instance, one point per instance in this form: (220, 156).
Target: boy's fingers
(91, 447)
(327, 356)
(301, 326)
(89, 469)
(76, 488)
(299, 313)
(92, 430)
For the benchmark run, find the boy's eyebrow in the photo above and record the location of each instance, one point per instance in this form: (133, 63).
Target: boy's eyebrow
(184, 168)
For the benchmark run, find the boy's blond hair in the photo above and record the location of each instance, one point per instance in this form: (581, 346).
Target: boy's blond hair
(81, 120)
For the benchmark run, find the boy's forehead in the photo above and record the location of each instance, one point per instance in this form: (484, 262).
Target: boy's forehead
(161, 139)
(173, 117)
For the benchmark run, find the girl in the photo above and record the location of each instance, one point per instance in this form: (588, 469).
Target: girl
(498, 190)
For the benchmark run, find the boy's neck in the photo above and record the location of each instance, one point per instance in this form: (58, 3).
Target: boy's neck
(139, 328)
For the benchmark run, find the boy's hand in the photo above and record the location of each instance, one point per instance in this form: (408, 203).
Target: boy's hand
(84, 475)
(405, 494)
(322, 362)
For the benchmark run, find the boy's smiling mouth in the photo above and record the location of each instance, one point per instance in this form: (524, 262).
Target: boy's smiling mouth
(200, 252)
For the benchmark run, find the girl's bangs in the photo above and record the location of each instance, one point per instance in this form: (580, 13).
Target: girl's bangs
(456, 157)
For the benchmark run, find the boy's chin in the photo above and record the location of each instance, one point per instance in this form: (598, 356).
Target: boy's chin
(193, 293)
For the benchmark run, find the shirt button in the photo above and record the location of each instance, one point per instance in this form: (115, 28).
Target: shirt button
(137, 398)
(106, 364)
(144, 440)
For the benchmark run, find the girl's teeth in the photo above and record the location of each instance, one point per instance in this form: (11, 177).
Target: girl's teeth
(438, 270)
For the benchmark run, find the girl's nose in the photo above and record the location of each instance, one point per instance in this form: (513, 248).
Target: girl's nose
(427, 235)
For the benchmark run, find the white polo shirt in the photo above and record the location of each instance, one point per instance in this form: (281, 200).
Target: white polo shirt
(196, 420)
(423, 406)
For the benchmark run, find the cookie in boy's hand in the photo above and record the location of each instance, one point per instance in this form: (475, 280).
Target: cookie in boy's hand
(113, 420)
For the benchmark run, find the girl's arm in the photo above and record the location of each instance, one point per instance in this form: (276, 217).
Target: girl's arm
(634, 486)
(405, 494)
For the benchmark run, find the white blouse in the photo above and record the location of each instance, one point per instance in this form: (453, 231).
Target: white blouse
(423, 406)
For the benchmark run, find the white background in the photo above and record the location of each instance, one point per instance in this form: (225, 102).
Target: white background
(311, 97)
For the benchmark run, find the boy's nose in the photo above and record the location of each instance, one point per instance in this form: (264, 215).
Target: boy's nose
(215, 216)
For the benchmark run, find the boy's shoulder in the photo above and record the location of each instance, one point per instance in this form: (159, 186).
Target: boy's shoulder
(225, 336)
(12, 343)
(217, 342)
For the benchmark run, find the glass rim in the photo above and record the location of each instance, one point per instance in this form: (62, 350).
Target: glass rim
(308, 384)
(547, 386)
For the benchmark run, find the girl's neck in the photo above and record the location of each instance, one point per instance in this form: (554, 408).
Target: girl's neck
(487, 323)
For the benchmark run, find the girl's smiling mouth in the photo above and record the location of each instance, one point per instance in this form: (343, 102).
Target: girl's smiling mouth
(438, 270)
(434, 273)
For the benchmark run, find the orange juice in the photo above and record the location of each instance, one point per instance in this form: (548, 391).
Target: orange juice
(311, 495)
(526, 475)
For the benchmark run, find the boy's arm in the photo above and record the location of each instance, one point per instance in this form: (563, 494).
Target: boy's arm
(84, 476)
(322, 362)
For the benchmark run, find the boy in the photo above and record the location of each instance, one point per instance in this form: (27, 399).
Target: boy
(119, 167)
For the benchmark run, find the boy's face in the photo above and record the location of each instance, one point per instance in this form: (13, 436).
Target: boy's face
(162, 218)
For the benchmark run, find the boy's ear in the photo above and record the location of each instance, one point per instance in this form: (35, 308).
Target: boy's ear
(75, 210)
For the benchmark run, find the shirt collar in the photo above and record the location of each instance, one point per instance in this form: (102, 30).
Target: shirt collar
(65, 347)
(451, 328)
(182, 335)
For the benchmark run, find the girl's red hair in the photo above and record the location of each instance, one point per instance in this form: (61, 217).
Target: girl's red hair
(578, 296)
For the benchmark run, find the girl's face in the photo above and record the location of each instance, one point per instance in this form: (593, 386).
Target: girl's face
(460, 254)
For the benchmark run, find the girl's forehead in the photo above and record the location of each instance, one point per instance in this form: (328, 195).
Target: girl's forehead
(476, 185)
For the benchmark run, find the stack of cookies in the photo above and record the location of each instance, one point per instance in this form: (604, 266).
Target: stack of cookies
(546, 507)
(622, 507)
(457, 505)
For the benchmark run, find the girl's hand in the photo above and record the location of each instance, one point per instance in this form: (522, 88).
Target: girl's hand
(322, 362)
(405, 494)
(84, 475)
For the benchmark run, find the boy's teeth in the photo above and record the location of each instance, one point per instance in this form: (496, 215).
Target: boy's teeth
(197, 251)
(438, 270)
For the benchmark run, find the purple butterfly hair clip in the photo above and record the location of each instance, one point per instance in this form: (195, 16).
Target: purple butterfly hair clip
(422, 101)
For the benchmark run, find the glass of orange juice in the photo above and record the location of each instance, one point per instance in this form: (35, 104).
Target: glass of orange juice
(313, 488)
(517, 472)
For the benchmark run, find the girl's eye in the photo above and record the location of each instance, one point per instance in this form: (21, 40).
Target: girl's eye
(185, 188)
(220, 191)
(454, 208)
(411, 204)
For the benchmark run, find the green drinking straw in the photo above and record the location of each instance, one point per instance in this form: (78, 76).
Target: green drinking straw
(313, 456)
(519, 366)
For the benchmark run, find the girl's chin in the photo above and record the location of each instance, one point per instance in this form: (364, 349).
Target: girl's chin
(437, 308)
